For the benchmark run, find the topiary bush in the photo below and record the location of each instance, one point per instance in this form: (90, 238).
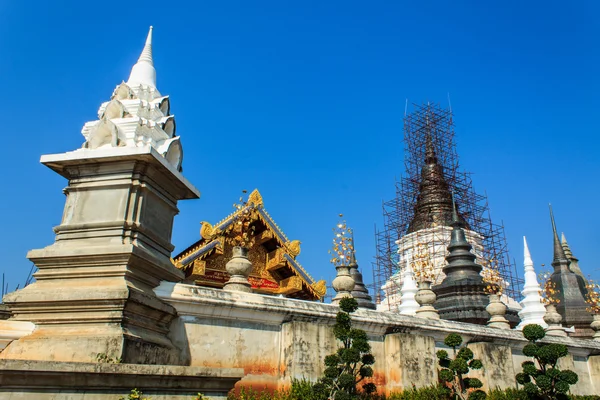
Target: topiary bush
(351, 364)
(454, 370)
(541, 378)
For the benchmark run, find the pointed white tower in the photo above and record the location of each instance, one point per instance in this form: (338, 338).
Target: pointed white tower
(408, 305)
(143, 72)
(533, 309)
(136, 115)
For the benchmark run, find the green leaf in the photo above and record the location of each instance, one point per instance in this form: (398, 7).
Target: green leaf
(332, 360)
(465, 353)
(369, 388)
(477, 395)
(475, 364)
(453, 340)
(544, 382)
(368, 359)
(366, 371)
(529, 368)
(523, 378)
(473, 383)
(348, 304)
(568, 376)
(459, 365)
(531, 350)
(442, 354)
(530, 388)
(446, 375)
(561, 387)
(533, 332)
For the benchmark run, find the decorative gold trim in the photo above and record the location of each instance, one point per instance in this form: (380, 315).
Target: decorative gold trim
(255, 198)
(207, 231)
(320, 288)
(293, 248)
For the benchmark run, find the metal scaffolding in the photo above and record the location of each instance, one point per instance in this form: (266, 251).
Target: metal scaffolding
(436, 122)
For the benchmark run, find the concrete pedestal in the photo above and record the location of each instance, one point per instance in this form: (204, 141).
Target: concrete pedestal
(93, 291)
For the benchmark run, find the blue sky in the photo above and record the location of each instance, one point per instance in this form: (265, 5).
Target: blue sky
(304, 101)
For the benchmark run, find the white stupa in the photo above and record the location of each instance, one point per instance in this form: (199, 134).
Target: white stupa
(408, 304)
(533, 310)
(137, 115)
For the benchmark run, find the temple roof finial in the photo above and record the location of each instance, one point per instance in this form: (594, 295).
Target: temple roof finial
(147, 51)
(455, 219)
(528, 262)
(143, 72)
(430, 156)
(559, 253)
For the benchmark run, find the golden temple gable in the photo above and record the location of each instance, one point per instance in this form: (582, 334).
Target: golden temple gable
(275, 268)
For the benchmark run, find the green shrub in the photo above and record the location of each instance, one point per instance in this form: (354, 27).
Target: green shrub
(541, 378)
(439, 392)
(350, 364)
(454, 370)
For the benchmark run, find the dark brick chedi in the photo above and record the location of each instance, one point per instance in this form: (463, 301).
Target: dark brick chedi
(461, 296)
(571, 290)
(434, 202)
(360, 291)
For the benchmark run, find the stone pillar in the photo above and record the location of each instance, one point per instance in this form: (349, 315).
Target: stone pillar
(409, 360)
(93, 291)
(304, 346)
(594, 368)
(498, 370)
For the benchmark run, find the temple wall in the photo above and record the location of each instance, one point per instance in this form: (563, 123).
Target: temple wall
(275, 339)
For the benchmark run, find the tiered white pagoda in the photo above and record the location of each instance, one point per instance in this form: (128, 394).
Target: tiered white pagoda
(533, 310)
(136, 115)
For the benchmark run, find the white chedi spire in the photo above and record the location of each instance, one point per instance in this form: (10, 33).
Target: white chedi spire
(136, 115)
(533, 310)
(408, 305)
(143, 72)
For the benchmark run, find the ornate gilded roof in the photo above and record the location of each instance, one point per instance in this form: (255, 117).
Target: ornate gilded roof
(274, 255)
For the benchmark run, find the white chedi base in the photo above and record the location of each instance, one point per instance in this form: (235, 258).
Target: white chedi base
(533, 310)
(408, 305)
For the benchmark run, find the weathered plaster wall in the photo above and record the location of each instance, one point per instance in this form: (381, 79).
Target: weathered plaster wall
(275, 339)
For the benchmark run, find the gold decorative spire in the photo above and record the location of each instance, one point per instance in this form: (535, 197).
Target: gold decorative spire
(343, 246)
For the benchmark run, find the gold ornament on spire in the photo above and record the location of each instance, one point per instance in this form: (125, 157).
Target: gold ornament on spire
(343, 245)
(494, 284)
(244, 235)
(549, 291)
(422, 265)
(593, 297)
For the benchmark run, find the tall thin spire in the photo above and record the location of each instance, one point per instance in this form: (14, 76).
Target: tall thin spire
(528, 261)
(570, 288)
(143, 72)
(559, 253)
(146, 55)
